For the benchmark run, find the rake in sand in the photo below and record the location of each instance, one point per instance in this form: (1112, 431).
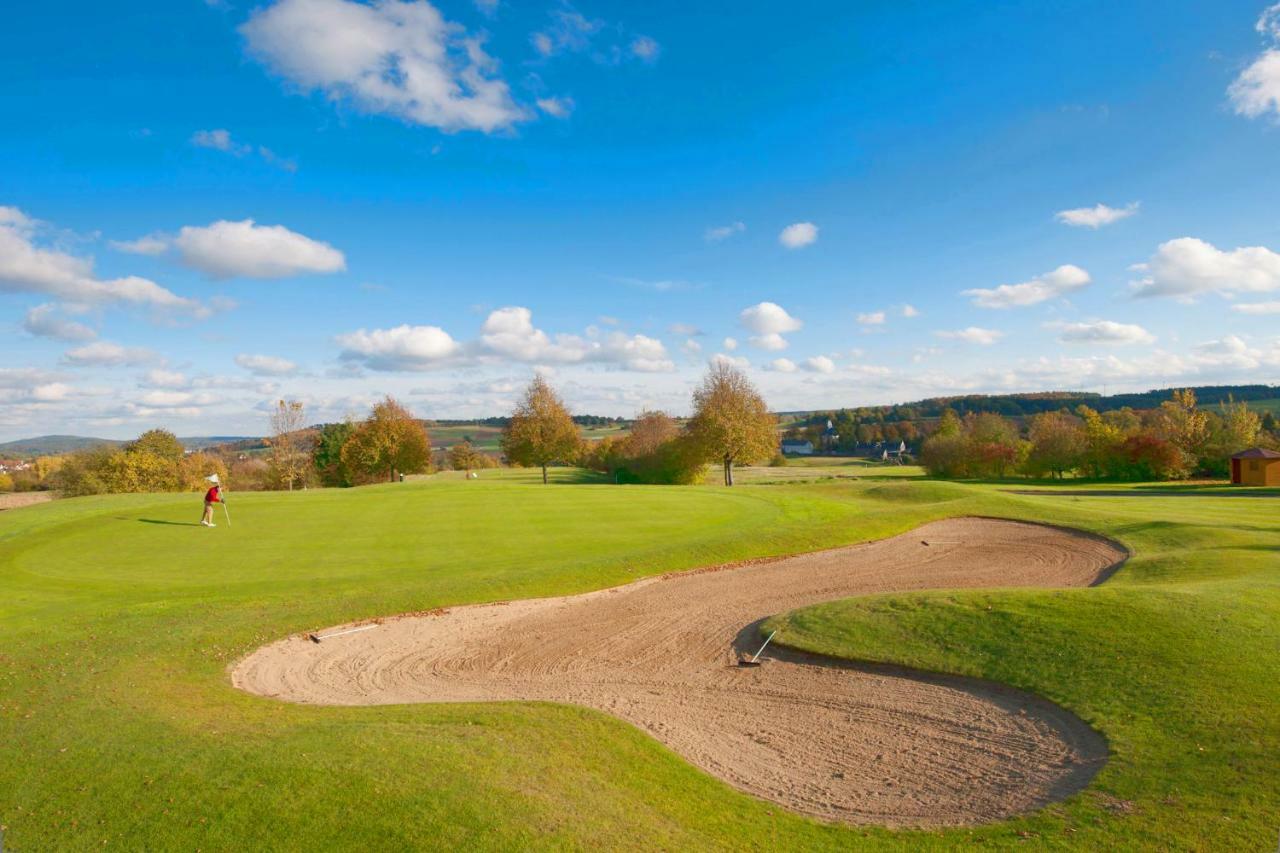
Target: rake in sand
(754, 660)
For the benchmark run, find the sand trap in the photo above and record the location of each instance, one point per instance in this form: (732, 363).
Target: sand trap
(859, 744)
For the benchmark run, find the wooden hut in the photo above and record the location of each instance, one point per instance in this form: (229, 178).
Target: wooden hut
(1256, 466)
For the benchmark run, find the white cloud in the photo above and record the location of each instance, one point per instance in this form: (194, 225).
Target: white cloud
(769, 318)
(723, 232)
(782, 365)
(819, 364)
(643, 47)
(266, 365)
(691, 347)
(731, 360)
(874, 318)
(556, 107)
(730, 344)
(508, 334)
(107, 354)
(910, 311)
(219, 140)
(973, 335)
(770, 341)
(1065, 279)
(28, 268)
(227, 249)
(401, 348)
(1187, 267)
(1256, 91)
(159, 378)
(769, 321)
(686, 330)
(1257, 307)
(1097, 216)
(1104, 332)
(396, 58)
(43, 321)
(798, 235)
(174, 399)
(569, 31)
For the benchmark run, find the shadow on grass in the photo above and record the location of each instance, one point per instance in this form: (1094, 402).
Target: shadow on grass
(174, 523)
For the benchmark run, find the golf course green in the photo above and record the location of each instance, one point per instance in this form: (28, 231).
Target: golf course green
(120, 615)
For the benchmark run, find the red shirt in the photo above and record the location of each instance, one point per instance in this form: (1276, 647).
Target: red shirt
(211, 496)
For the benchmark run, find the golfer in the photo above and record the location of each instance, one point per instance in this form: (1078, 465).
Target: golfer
(211, 497)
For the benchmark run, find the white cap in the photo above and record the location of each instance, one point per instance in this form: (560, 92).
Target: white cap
(212, 478)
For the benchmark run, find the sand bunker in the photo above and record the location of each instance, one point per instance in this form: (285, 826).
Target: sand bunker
(859, 744)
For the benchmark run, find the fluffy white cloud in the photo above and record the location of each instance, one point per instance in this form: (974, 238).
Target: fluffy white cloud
(910, 311)
(266, 365)
(1063, 280)
(228, 249)
(1256, 91)
(723, 232)
(819, 364)
(771, 341)
(508, 334)
(782, 365)
(1257, 307)
(798, 235)
(401, 348)
(43, 321)
(556, 107)
(107, 354)
(874, 318)
(973, 335)
(1187, 267)
(393, 57)
(28, 268)
(770, 322)
(769, 318)
(691, 347)
(1097, 216)
(1104, 332)
(730, 344)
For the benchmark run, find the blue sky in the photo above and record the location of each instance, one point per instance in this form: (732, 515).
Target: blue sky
(205, 206)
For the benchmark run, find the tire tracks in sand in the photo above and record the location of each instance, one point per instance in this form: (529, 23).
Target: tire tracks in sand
(836, 740)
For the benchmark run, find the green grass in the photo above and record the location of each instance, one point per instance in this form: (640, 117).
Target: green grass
(118, 622)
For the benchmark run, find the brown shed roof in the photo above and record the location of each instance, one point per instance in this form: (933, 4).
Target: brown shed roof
(1256, 453)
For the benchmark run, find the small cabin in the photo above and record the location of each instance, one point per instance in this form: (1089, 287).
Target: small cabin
(1256, 466)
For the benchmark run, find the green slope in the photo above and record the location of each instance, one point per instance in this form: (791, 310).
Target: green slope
(118, 620)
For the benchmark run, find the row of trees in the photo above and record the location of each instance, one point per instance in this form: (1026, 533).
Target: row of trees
(1171, 442)
(730, 425)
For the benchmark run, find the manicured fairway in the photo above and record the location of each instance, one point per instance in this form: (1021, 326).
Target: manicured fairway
(118, 619)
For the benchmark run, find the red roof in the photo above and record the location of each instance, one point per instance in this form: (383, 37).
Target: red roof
(1257, 453)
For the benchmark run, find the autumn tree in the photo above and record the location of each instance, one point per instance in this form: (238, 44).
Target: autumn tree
(540, 431)
(288, 462)
(158, 442)
(1057, 444)
(464, 457)
(649, 431)
(390, 441)
(731, 422)
(1187, 427)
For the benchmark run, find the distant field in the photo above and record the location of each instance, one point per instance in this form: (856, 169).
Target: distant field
(1258, 406)
(487, 438)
